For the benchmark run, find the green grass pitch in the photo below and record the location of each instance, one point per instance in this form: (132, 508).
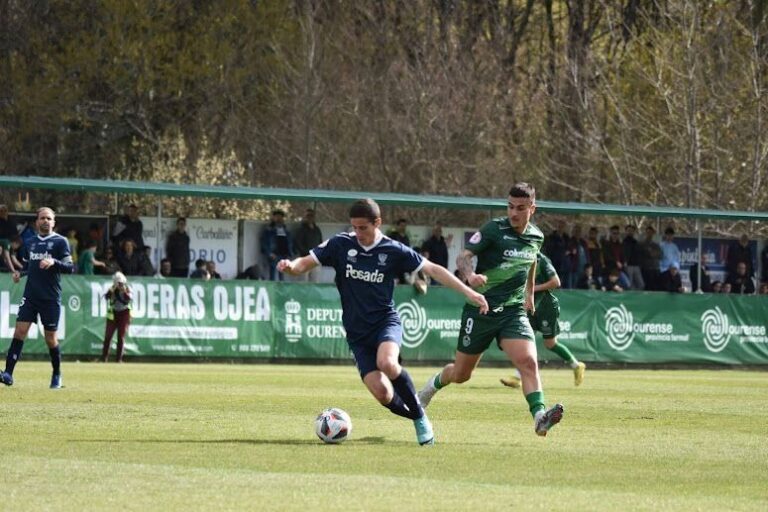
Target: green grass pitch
(240, 437)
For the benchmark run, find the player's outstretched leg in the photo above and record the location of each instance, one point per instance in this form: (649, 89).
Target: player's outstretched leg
(429, 390)
(544, 421)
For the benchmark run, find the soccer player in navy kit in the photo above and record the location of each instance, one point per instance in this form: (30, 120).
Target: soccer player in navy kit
(47, 256)
(366, 264)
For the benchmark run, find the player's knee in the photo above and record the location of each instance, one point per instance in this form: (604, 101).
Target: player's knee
(550, 343)
(389, 367)
(527, 364)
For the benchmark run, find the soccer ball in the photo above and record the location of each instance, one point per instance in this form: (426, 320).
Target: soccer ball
(333, 425)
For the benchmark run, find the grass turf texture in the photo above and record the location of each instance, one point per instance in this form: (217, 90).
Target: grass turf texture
(240, 437)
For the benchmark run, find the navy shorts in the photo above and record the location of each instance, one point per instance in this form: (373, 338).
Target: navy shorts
(49, 312)
(365, 349)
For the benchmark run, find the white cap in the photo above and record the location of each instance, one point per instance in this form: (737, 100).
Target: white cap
(119, 278)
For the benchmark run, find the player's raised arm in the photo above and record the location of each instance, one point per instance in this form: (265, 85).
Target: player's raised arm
(297, 266)
(443, 276)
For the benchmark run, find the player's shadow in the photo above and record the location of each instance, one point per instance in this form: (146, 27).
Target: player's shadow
(287, 442)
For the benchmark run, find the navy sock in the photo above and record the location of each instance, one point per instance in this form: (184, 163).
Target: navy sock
(55, 353)
(398, 407)
(404, 387)
(14, 354)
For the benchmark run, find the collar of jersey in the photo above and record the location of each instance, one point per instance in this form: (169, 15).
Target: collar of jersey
(44, 238)
(376, 239)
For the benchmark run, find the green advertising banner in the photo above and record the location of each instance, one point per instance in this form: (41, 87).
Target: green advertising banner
(259, 319)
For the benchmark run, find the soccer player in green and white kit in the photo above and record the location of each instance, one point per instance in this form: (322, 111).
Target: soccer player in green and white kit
(506, 250)
(546, 320)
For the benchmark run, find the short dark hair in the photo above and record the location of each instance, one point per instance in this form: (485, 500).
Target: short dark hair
(401, 221)
(365, 208)
(199, 263)
(615, 227)
(522, 189)
(181, 219)
(278, 212)
(669, 231)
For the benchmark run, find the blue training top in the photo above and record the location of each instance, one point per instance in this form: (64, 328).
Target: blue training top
(45, 284)
(365, 278)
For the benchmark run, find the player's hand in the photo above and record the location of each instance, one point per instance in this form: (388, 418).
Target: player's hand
(477, 280)
(479, 300)
(46, 263)
(16, 277)
(528, 304)
(285, 266)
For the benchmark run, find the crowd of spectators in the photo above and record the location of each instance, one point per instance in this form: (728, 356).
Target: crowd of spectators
(617, 263)
(610, 262)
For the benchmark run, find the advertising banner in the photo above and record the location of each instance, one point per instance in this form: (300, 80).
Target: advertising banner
(260, 319)
(209, 239)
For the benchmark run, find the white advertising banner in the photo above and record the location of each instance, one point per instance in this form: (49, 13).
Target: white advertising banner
(209, 239)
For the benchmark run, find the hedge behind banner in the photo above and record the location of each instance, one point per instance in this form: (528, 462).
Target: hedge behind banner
(260, 319)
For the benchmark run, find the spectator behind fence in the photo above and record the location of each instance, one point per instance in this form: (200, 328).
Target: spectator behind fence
(177, 249)
(706, 286)
(739, 251)
(306, 236)
(670, 279)
(650, 260)
(670, 252)
(399, 233)
(199, 269)
(88, 262)
(717, 287)
(130, 259)
(555, 247)
(110, 262)
(435, 248)
(166, 270)
(595, 252)
(740, 282)
(74, 244)
(29, 230)
(588, 280)
(575, 257)
(725, 288)
(633, 256)
(210, 266)
(96, 234)
(763, 289)
(613, 251)
(7, 226)
(276, 244)
(612, 281)
(129, 226)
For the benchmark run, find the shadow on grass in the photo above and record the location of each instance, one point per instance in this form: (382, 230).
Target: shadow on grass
(288, 442)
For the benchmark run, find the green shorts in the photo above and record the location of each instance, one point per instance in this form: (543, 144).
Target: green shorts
(478, 331)
(546, 318)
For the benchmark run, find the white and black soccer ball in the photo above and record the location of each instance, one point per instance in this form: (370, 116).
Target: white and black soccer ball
(333, 425)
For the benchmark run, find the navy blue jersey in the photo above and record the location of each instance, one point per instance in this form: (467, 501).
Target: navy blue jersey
(366, 278)
(45, 284)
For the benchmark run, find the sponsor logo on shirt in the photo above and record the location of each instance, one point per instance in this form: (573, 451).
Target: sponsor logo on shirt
(364, 275)
(38, 256)
(515, 253)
